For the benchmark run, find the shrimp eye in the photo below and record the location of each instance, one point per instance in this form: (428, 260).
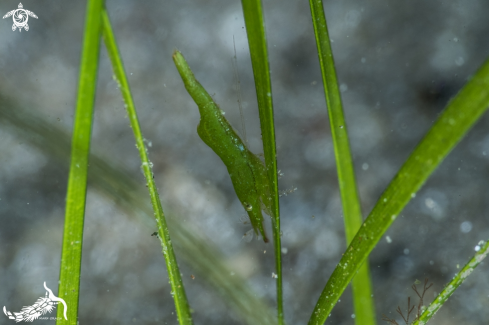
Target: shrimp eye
(247, 206)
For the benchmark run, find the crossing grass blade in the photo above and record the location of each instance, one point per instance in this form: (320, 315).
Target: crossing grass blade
(361, 283)
(483, 250)
(454, 122)
(255, 29)
(178, 291)
(69, 280)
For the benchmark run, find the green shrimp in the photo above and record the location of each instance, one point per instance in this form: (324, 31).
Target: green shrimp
(247, 171)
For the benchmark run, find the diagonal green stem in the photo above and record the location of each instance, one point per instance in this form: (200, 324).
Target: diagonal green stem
(483, 250)
(178, 291)
(361, 283)
(69, 280)
(459, 116)
(255, 28)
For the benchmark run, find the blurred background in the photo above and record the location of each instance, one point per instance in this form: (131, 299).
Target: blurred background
(398, 64)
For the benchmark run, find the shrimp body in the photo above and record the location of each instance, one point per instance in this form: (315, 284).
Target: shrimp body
(247, 171)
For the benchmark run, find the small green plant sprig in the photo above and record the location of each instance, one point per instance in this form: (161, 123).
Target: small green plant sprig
(410, 308)
(423, 314)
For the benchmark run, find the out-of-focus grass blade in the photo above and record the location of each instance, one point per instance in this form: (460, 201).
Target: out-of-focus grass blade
(361, 283)
(458, 117)
(115, 183)
(482, 249)
(255, 28)
(178, 291)
(69, 280)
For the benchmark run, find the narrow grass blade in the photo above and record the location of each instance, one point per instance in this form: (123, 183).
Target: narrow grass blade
(361, 283)
(255, 28)
(115, 184)
(69, 280)
(482, 251)
(458, 117)
(178, 291)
